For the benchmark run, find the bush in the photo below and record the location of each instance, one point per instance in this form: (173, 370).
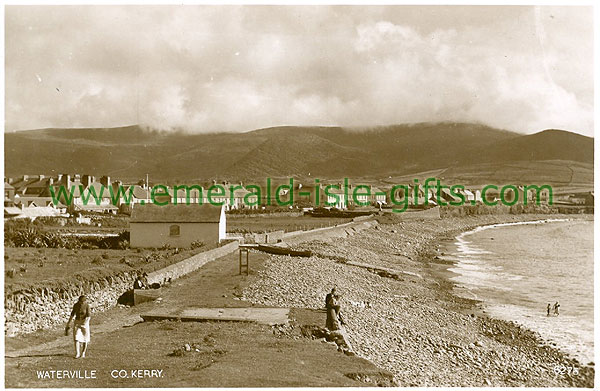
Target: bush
(197, 244)
(50, 221)
(22, 233)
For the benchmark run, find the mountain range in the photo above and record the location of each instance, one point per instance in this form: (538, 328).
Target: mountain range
(131, 152)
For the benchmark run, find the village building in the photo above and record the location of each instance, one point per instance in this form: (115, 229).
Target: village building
(9, 193)
(470, 196)
(132, 195)
(11, 212)
(363, 195)
(30, 196)
(272, 198)
(401, 193)
(574, 198)
(20, 184)
(477, 193)
(96, 197)
(378, 197)
(154, 226)
(334, 197)
(190, 195)
(20, 211)
(240, 198)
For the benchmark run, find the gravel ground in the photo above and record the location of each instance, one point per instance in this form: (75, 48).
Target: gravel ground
(412, 326)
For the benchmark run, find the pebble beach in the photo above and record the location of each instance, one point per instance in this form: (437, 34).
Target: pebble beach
(410, 322)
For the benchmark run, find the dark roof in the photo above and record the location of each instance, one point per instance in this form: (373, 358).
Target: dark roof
(195, 213)
(22, 183)
(138, 192)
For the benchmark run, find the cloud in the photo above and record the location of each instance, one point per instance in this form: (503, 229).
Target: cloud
(236, 68)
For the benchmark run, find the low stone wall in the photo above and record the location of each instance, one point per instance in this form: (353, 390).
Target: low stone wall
(43, 308)
(292, 233)
(340, 231)
(191, 264)
(266, 237)
(274, 237)
(362, 218)
(240, 216)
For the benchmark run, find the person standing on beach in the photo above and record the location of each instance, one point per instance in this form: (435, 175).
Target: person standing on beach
(548, 310)
(335, 320)
(556, 307)
(81, 326)
(328, 296)
(333, 309)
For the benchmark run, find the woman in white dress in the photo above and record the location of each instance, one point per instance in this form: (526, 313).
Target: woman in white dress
(81, 326)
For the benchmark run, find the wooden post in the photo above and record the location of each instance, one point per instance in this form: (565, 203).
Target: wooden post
(245, 266)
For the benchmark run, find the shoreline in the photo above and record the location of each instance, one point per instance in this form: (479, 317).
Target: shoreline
(480, 307)
(427, 332)
(410, 325)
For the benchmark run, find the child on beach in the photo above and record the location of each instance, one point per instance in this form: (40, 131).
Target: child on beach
(548, 310)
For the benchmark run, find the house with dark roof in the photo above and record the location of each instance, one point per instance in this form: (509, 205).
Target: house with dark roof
(176, 225)
(12, 212)
(9, 193)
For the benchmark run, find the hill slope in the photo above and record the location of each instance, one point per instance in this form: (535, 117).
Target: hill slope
(131, 152)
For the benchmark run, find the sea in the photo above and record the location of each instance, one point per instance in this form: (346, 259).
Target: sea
(516, 269)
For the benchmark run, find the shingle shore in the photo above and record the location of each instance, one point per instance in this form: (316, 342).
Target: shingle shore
(410, 325)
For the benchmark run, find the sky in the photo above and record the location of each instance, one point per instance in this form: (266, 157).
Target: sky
(237, 68)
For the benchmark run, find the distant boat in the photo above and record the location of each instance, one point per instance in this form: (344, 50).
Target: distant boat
(284, 251)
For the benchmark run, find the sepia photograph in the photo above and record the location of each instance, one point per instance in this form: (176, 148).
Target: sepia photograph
(324, 195)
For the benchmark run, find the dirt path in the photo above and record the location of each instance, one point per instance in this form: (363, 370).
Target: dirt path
(230, 354)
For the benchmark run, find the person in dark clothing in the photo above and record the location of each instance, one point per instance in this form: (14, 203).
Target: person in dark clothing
(334, 316)
(548, 310)
(81, 326)
(328, 296)
(333, 309)
(335, 320)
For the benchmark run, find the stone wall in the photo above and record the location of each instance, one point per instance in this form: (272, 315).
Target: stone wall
(339, 231)
(42, 308)
(191, 264)
(274, 237)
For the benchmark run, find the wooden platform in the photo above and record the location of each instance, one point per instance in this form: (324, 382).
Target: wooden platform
(270, 316)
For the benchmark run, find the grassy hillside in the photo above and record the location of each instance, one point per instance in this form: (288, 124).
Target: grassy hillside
(463, 150)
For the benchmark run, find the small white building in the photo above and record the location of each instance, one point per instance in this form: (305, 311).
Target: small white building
(176, 225)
